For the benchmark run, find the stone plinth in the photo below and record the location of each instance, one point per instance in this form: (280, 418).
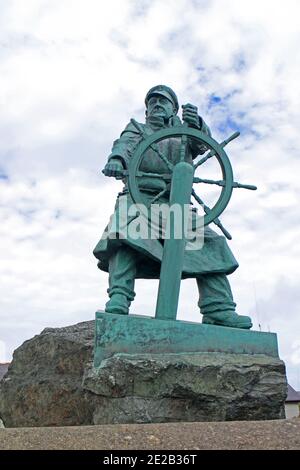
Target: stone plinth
(134, 334)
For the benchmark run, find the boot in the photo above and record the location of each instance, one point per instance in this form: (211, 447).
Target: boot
(229, 318)
(216, 302)
(122, 272)
(118, 303)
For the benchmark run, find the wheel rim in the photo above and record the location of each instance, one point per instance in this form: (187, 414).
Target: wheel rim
(173, 132)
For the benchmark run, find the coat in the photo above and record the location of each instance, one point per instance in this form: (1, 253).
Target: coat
(213, 256)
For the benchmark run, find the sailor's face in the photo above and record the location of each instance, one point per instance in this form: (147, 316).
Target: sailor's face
(159, 106)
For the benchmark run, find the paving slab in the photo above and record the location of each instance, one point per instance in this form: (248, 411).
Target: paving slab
(277, 434)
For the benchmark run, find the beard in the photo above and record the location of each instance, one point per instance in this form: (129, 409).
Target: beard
(158, 117)
(159, 112)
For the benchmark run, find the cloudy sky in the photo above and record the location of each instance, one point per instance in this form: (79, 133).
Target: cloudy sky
(72, 73)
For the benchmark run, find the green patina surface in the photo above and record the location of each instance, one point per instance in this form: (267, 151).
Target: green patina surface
(136, 334)
(157, 161)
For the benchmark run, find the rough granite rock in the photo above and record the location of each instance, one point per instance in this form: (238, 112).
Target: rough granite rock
(51, 382)
(3, 369)
(187, 387)
(43, 384)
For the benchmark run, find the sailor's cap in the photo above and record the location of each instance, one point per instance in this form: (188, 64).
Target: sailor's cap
(165, 91)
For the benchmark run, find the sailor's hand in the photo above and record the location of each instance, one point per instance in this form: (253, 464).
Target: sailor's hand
(114, 168)
(190, 115)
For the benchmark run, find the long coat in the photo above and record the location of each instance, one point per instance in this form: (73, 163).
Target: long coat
(214, 255)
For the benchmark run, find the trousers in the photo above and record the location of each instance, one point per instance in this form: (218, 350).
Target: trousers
(215, 294)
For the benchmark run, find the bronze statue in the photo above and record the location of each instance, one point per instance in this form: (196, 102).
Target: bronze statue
(149, 177)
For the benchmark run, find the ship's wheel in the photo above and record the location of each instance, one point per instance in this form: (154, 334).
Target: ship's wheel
(214, 149)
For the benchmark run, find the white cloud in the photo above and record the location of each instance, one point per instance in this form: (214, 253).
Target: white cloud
(295, 358)
(2, 351)
(72, 73)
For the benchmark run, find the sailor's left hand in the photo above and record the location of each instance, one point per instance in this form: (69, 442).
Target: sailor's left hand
(190, 115)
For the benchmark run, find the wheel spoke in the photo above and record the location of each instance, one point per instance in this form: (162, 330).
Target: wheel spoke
(207, 210)
(140, 174)
(159, 195)
(165, 176)
(217, 182)
(212, 152)
(244, 186)
(161, 155)
(199, 200)
(223, 182)
(183, 148)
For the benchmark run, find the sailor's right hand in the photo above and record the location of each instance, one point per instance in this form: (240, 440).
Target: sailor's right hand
(114, 168)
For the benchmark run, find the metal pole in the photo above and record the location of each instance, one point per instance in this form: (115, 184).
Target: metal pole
(173, 254)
